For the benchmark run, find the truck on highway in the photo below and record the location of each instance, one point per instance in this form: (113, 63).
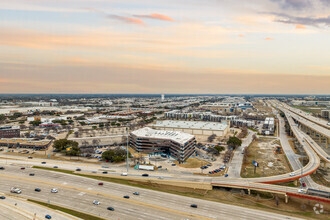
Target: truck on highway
(15, 190)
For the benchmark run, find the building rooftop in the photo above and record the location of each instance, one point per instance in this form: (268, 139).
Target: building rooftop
(177, 136)
(8, 127)
(191, 125)
(25, 141)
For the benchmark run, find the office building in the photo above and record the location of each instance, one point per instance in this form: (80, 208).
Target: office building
(9, 132)
(177, 144)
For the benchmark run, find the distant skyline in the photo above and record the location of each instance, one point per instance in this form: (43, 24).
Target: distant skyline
(173, 46)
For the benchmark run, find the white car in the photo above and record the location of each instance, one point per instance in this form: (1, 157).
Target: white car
(124, 174)
(54, 190)
(95, 202)
(15, 190)
(292, 174)
(301, 191)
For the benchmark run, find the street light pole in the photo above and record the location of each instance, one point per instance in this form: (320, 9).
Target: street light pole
(127, 147)
(302, 165)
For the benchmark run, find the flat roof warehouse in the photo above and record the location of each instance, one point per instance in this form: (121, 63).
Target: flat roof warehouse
(191, 125)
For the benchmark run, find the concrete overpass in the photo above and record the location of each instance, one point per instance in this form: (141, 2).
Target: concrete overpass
(316, 128)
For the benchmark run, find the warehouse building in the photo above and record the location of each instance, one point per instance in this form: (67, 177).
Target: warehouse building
(175, 143)
(193, 127)
(9, 132)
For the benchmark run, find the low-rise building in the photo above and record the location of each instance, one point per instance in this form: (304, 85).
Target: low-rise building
(178, 144)
(268, 127)
(24, 143)
(9, 132)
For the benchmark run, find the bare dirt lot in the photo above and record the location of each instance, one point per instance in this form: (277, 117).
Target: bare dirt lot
(269, 162)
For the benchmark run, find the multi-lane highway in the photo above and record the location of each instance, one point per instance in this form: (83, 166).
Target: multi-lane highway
(308, 116)
(322, 130)
(79, 192)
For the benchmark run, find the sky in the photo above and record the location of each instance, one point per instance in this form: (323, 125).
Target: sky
(172, 46)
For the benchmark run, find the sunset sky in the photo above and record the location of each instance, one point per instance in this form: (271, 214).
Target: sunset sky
(158, 46)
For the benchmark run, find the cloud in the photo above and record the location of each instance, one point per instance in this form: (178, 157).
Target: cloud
(126, 19)
(156, 16)
(293, 4)
(300, 26)
(269, 38)
(310, 21)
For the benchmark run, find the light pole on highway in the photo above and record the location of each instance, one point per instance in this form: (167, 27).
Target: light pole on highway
(127, 147)
(302, 165)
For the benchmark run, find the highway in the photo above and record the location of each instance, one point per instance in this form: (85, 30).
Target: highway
(17, 208)
(317, 148)
(308, 116)
(291, 155)
(79, 192)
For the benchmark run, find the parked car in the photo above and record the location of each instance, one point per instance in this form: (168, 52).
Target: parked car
(2, 168)
(145, 174)
(78, 169)
(110, 208)
(136, 193)
(37, 189)
(292, 174)
(100, 184)
(193, 205)
(54, 190)
(43, 162)
(226, 175)
(105, 172)
(55, 167)
(48, 217)
(30, 157)
(2, 197)
(22, 168)
(160, 177)
(126, 197)
(31, 174)
(173, 164)
(124, 174)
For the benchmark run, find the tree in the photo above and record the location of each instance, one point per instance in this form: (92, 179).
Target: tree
(62, 144)
(211, 138)
(115, 155)
(76, 134)
(49, 137)
(219, 148)
(96, 142)
(234, 142)
(35, 122)
(74, 151)
(2, 117)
